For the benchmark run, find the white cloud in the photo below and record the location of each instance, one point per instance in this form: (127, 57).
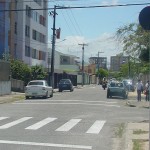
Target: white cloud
(104, 43)
(112, 2)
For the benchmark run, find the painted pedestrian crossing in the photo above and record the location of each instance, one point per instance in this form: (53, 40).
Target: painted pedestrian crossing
(94, 128)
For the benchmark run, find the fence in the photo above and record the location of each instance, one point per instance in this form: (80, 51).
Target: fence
(17, 85)
(4, 70)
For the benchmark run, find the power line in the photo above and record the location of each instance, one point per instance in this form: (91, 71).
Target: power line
(79, 7)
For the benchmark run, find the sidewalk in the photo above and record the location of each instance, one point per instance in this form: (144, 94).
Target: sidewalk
(132, 101)
(137, 134)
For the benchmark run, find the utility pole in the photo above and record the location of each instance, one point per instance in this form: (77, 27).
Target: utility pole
(53, 46)
(98, 67)
(83, 62)
(129, 67)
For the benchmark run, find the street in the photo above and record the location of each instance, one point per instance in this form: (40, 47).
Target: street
(82, 119)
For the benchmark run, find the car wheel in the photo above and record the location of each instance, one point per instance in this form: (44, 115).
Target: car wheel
(107, 95)
(46, 96)
(51, 94)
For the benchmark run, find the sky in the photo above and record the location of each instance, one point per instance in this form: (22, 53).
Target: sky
(95, 27)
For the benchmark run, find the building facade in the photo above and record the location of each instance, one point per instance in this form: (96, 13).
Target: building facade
(101, 62)
(64, 62)
(117, 61)
(4, 28)
(28, 32)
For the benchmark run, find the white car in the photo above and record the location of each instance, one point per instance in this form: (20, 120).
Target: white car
(38, 88)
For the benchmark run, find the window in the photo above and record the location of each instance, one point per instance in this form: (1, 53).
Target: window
(15, 28)
(27, 31)
(34, 34)
(27, 51)
(64, 60)
(34, 53)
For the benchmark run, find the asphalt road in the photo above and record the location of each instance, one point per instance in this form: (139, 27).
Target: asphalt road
(80, 120)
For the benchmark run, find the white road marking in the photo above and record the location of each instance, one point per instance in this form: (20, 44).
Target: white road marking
(45, 144)
(83, 101)
(40, 124)
(96, 127)
(2, 118)
(67, 104)
(8, 125)
(68, 125)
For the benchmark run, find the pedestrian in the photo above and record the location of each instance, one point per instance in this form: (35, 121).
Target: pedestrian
(147, 90)
(139, 87)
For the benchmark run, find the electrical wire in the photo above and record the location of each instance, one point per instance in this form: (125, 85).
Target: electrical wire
(81, 7)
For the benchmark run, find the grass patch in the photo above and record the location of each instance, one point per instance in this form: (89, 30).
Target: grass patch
(138, 144)
(18, 97)
(120, 130)
(139, 132)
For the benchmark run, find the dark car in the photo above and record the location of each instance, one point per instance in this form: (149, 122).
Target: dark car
(65, 84)
(129, 84)
(117, 89)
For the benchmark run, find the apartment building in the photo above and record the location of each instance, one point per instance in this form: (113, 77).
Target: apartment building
(28, 32)
(117, 61)
(4, 28)
(101, 62)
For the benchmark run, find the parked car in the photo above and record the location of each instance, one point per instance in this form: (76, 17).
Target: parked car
(38, 88)
(129, 84)
(117, 89)
(65, 84)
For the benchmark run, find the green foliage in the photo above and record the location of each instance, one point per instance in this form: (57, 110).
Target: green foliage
(134, 39)
(22, 71)
(38, 73)
(144, 55)
(102, 73)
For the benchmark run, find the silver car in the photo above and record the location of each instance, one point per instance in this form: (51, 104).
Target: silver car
(38, 88)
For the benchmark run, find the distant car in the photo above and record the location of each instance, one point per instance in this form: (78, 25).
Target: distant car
(117, 89)
(129, 84)
(65, 84)
(38, 88)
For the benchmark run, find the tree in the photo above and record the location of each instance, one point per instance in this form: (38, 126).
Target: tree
(102, 73)
(20, 71)
(38, 73)
(134, 40)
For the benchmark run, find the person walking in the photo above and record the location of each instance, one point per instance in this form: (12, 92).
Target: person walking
(139, 87)
(147, 90)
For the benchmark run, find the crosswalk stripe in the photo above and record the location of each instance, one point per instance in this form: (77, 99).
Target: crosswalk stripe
(40, 124)
(8, 125)
(2, 118)
(68, 125)
(96, 127)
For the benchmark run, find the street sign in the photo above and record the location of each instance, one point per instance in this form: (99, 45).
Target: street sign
(144, 18)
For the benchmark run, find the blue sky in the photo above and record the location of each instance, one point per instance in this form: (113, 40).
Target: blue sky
(93, 26)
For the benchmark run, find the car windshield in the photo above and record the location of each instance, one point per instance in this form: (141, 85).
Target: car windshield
(64, 81)
(113, 84)
(36, 83)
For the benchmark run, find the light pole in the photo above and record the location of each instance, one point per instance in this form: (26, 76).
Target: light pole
(83, 62)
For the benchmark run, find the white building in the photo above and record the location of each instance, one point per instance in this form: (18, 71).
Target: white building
(64, 62)
(29, 32)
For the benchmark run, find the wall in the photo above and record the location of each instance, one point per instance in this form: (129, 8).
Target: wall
(17, 85)
(5, 87)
